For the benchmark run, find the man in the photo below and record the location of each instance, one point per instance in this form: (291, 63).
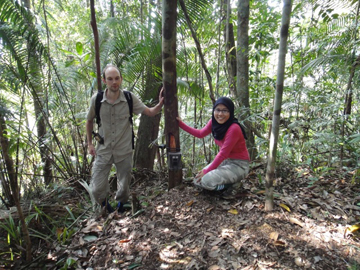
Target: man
(116, 131)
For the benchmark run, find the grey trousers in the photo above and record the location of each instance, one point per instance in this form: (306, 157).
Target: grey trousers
(230, 171)
(100, 178)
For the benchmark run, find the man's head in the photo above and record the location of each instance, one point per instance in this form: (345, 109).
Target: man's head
(112, 77)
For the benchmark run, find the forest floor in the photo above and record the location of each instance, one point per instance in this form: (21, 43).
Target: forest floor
(315, 225)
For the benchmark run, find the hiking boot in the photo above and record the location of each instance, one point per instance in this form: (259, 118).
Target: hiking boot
(122, 207)
(229, 194)
(233, 192)
(107, 206)
(223, 187)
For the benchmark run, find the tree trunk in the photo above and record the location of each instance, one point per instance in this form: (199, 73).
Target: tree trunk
(348, 97)
(96, 43)
(112, 11)
(144, 154)
(148, 131)
(41, 131)
(9, 164)
(12, 174)
(242, 72)
(169, 81)
(348, 102)
(230, 49)
(270, 170)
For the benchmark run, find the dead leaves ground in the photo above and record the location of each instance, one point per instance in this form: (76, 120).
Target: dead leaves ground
(183, 228)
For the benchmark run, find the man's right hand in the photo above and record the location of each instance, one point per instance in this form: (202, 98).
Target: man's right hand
(91, 150)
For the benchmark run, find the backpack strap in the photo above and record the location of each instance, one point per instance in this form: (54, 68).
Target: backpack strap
(129, 100)
(99, 98)
(128, 96)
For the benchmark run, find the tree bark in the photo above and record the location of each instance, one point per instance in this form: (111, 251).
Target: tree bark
(112, 11)
(12, 173)
(41, 132)
(230, 49)
(270, 170)
(96, 44)
(148, 131)
(242, 72)
(348, 102)
(9, 164)
(169, 81)
(145, 152)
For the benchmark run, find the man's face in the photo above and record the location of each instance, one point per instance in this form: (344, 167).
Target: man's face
(112, 79)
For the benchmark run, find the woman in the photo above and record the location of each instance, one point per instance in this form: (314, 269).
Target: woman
(231, 164)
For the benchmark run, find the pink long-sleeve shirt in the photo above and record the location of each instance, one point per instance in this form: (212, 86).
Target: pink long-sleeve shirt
(231, 146)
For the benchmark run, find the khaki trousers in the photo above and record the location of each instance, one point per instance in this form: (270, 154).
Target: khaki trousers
(99, 184)
(230, 171)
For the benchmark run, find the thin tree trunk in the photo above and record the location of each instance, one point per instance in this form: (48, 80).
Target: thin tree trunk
(230, 49)
(41, 132)
(96, 43)
(12, 174)
(48, 175)
(219, 51)
(112, 11)
(9, 165)
(198, 47)
(348, 97)
(270, 170)
(348, 101)
(169, 81)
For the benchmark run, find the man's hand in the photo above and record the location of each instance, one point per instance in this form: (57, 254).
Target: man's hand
(161, 97)
(91, 150)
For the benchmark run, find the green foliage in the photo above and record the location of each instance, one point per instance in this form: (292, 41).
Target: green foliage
(13, 231)
(66, 263)
(65, 236)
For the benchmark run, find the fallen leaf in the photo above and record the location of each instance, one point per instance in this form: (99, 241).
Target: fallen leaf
(299, 261)
(285, 207)
(209, 209)
(90, 238)
(93, 227)
(124, 240)
(233, 211)
(279, 243)
(296, 221)
(354, 228)
(59, 231)
(190, 203)
(216, 242)
(274, 236)
(214, 254)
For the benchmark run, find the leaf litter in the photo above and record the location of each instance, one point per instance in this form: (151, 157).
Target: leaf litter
(312, 227)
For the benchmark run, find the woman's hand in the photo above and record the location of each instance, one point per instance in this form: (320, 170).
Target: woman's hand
(178, 118)
(199, 176)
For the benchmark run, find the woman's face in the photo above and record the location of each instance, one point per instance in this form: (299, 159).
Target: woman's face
(221, 113)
